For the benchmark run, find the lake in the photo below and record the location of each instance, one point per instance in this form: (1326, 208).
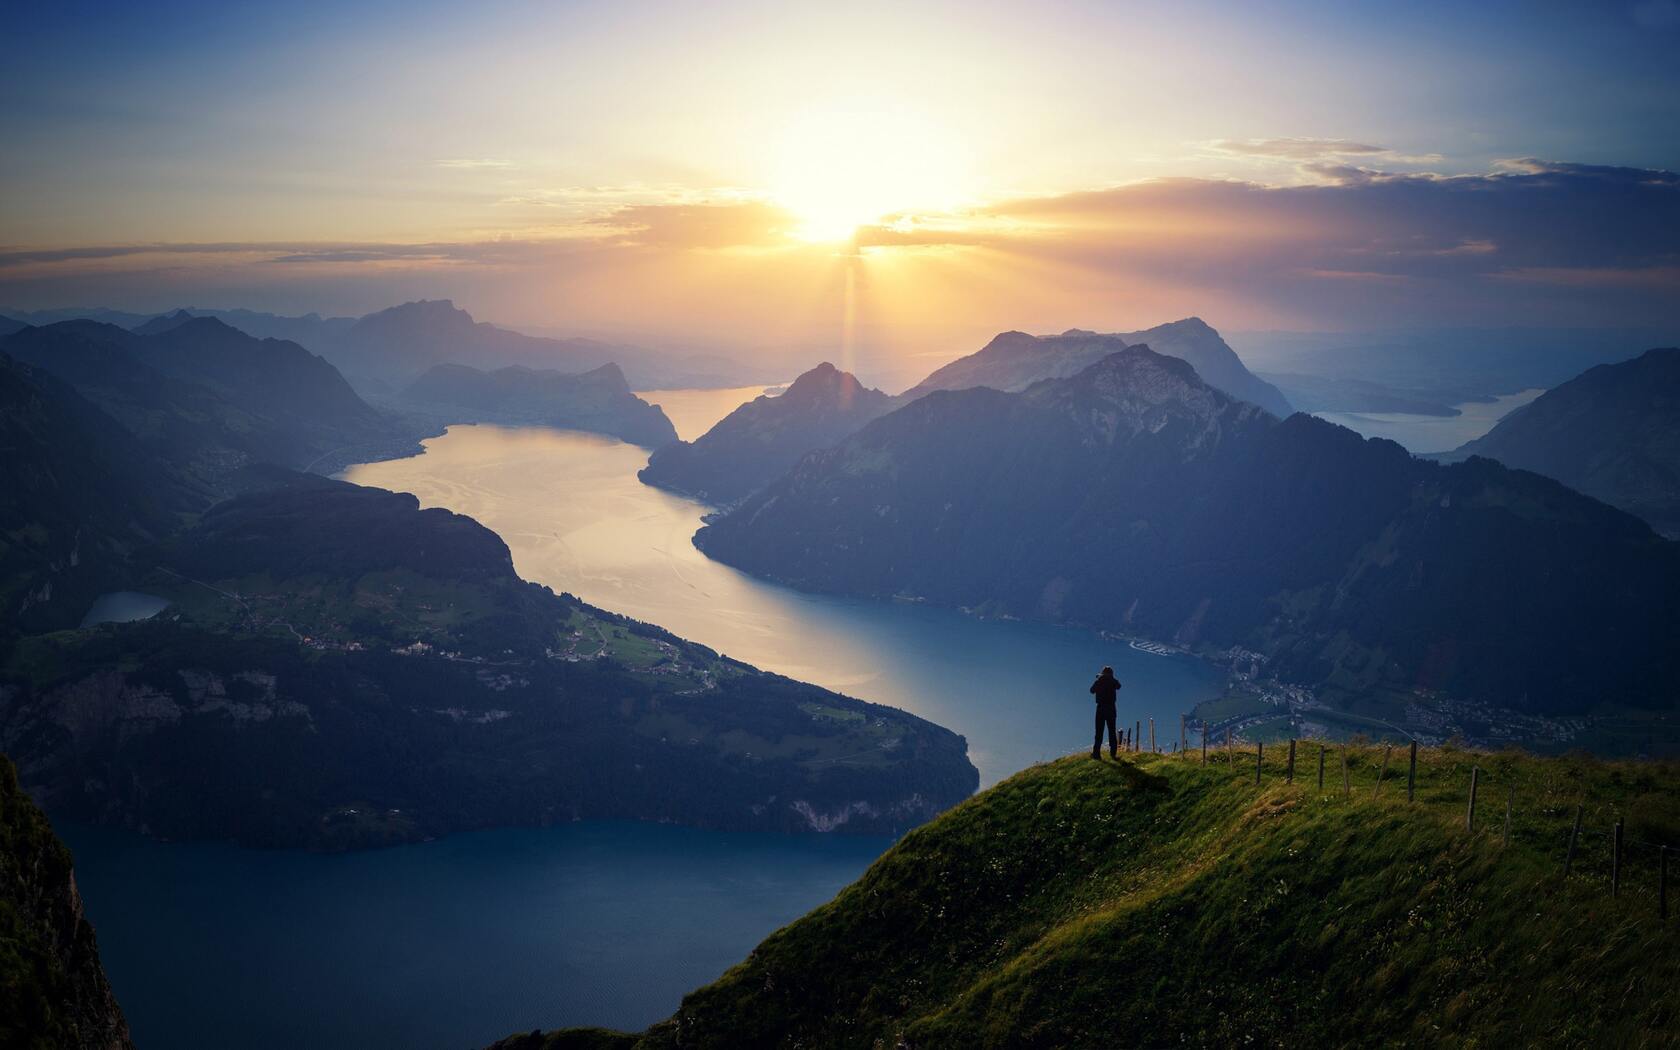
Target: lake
(123, 607)
(1423, 434)
(458, 942)
(454, 943)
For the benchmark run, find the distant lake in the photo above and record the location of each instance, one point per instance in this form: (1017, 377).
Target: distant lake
(693, 412)
(123, 607)
(457, 942)
(1434, 433)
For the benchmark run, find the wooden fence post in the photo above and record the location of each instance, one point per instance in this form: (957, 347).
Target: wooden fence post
(1230, 757)
(1470, 813)
(1347, 785)
(1289, 774)
(1616, 861)
(1574, 837)
(1259, 753)
(1505, 833)
(1383, 772)
(1204, 742)
(1182, 745)
(1137, 735)
(1152, 736)
(1321, 769)
(1411, 774)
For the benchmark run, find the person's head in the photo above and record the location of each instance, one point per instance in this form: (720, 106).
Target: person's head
(1108, 672)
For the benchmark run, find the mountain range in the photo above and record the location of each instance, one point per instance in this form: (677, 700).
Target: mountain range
(207, 396)
(1015, 360)
(759, 441)
(1135, 497)
(599, 400)
(1613, 432)
(337, 667)
(392, 346)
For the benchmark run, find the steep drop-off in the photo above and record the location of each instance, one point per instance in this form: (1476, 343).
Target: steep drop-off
(53, 991)
(1156, 901)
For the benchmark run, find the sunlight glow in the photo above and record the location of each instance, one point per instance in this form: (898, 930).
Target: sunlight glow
(842, 166)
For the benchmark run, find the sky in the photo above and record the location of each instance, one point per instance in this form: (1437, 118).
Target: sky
(891, 177)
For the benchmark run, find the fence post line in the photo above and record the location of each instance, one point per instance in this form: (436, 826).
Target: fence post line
(1152, 736)
(1470, 813)
(1321, 769)
(1137, 735)
(1289, 774)
(1383, 772)
(1204, 741)
(1230, 758)
(1505, 833)
(1347, 785)
(1182, 745)
(1616, 862)
(1574, 837)
(1259, 754)
(1662, 883)
(1411, 774)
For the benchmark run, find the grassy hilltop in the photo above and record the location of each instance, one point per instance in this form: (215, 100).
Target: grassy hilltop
(1158, 901)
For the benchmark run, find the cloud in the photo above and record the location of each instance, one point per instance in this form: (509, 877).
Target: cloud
(725, 225)
(1295, 148)
(471, 163)
(1320, 159)
(1531, 242)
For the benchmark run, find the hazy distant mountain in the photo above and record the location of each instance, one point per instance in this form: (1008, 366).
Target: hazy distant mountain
(9, 325)
(313, 331)
(1015, 360)
(120, 318)
(1440, 366)
(1195, 341)
(204, 395)
(398, 344)
(598, 400)
(759, 441)
(1612, 432)
(1329, 394)
(1134, 496)
(391, 678)
(391, 347)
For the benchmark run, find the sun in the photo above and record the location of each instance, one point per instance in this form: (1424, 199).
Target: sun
(842, 166)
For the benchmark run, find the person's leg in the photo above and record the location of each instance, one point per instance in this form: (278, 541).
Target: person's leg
(1096, 745)
(1113, 737)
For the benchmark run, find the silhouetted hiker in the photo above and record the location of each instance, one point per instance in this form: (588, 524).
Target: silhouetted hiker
(1107, 690)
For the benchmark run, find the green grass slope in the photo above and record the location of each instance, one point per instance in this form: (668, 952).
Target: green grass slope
(1158, 901)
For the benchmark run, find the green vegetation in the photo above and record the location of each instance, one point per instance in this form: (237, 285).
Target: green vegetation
(1158, 901)
(1233, 706)
(341, 669)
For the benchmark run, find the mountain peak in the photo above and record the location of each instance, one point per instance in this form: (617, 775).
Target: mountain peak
(822, 384)
(164, 322)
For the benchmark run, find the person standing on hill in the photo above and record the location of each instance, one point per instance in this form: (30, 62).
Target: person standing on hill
(1106, 689)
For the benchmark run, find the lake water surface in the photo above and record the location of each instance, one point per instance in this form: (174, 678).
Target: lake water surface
(459, 942)
(1422, 434)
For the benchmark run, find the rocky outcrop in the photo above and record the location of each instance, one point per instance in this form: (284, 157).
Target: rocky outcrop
(55, 991)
